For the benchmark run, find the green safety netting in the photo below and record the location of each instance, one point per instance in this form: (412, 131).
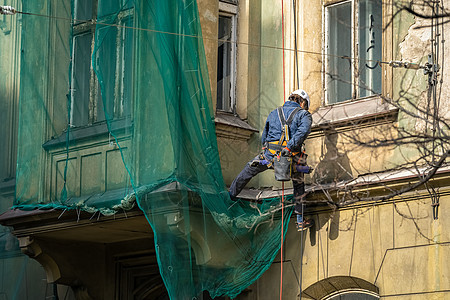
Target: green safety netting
(117, 112)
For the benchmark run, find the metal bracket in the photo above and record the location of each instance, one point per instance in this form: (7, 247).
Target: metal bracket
(434, 202)
(432, 70)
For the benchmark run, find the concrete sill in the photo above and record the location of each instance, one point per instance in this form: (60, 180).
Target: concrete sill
(351, 113)
(232, 127)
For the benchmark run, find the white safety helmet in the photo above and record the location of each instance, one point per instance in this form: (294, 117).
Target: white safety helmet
(302, 94)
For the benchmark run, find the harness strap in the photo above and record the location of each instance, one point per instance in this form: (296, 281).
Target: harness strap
(273, 147)
(285, 124)
(292, 115)
(281, 115)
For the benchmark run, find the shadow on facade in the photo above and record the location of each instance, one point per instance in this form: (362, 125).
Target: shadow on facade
(334, 167)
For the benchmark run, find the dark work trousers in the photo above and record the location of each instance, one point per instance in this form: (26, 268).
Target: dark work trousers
(299, 190)
(244, 177)
(250, 171)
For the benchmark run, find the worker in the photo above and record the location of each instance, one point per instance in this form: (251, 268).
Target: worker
(296, 111)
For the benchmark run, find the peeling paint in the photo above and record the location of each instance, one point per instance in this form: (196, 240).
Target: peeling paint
(210, 16)
(416, 44)
(415, 48)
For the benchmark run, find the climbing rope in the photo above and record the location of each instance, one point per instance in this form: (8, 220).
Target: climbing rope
(282, 185)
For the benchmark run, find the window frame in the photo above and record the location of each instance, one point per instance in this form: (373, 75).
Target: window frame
(94, 104)
(227, 9)
(80, 28)
(355, 57)
(119, 93)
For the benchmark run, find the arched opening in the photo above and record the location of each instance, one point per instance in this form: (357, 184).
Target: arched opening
(341, 288)
(353, 295)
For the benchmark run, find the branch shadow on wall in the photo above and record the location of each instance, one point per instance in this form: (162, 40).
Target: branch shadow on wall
(334, 167)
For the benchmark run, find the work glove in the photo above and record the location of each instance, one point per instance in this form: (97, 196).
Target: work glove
(285, 152)
(259, 162)
(264, 162)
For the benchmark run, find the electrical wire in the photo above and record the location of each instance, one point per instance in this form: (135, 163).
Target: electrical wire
(295, 50)
(433, 93)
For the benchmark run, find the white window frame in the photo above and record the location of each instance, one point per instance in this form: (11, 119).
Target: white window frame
(231, 10)
(119, 104)
(354, 51)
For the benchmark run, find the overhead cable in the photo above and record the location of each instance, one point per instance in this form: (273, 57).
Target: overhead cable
(8, 10)
(95, 22)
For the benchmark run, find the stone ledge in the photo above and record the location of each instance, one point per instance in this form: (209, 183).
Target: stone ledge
(87, 132)
(350, 112)
(232, 127)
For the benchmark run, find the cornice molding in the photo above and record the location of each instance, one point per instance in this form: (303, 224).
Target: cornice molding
(232, 127)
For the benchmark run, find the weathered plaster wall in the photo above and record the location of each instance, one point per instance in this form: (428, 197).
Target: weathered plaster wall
(243, 75)
(413, 40)
(272, 91)
(339, 154)
(260, 24)
(445, 74)
(259, 76)
(396, 246)
(415, 47)
(209, 19)
(387, 245)
(310, 39)
(234, 153)
(254, 62)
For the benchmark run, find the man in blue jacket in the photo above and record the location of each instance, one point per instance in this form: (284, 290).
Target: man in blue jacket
(299, 129)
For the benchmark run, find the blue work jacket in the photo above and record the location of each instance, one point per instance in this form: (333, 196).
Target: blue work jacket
(298, 131)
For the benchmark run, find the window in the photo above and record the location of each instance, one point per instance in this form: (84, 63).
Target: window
(352, 51)
(88, 104)
(226, 58)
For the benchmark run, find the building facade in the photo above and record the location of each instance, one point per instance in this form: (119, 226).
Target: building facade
(378, 145)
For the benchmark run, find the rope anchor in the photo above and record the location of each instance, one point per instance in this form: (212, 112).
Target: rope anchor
(7, 10)
(405, 64)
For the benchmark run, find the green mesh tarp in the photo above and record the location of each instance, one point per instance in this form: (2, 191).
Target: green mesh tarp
(117, 111)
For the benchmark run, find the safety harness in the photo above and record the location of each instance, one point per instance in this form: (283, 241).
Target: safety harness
(275, 147)
(287, 167)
